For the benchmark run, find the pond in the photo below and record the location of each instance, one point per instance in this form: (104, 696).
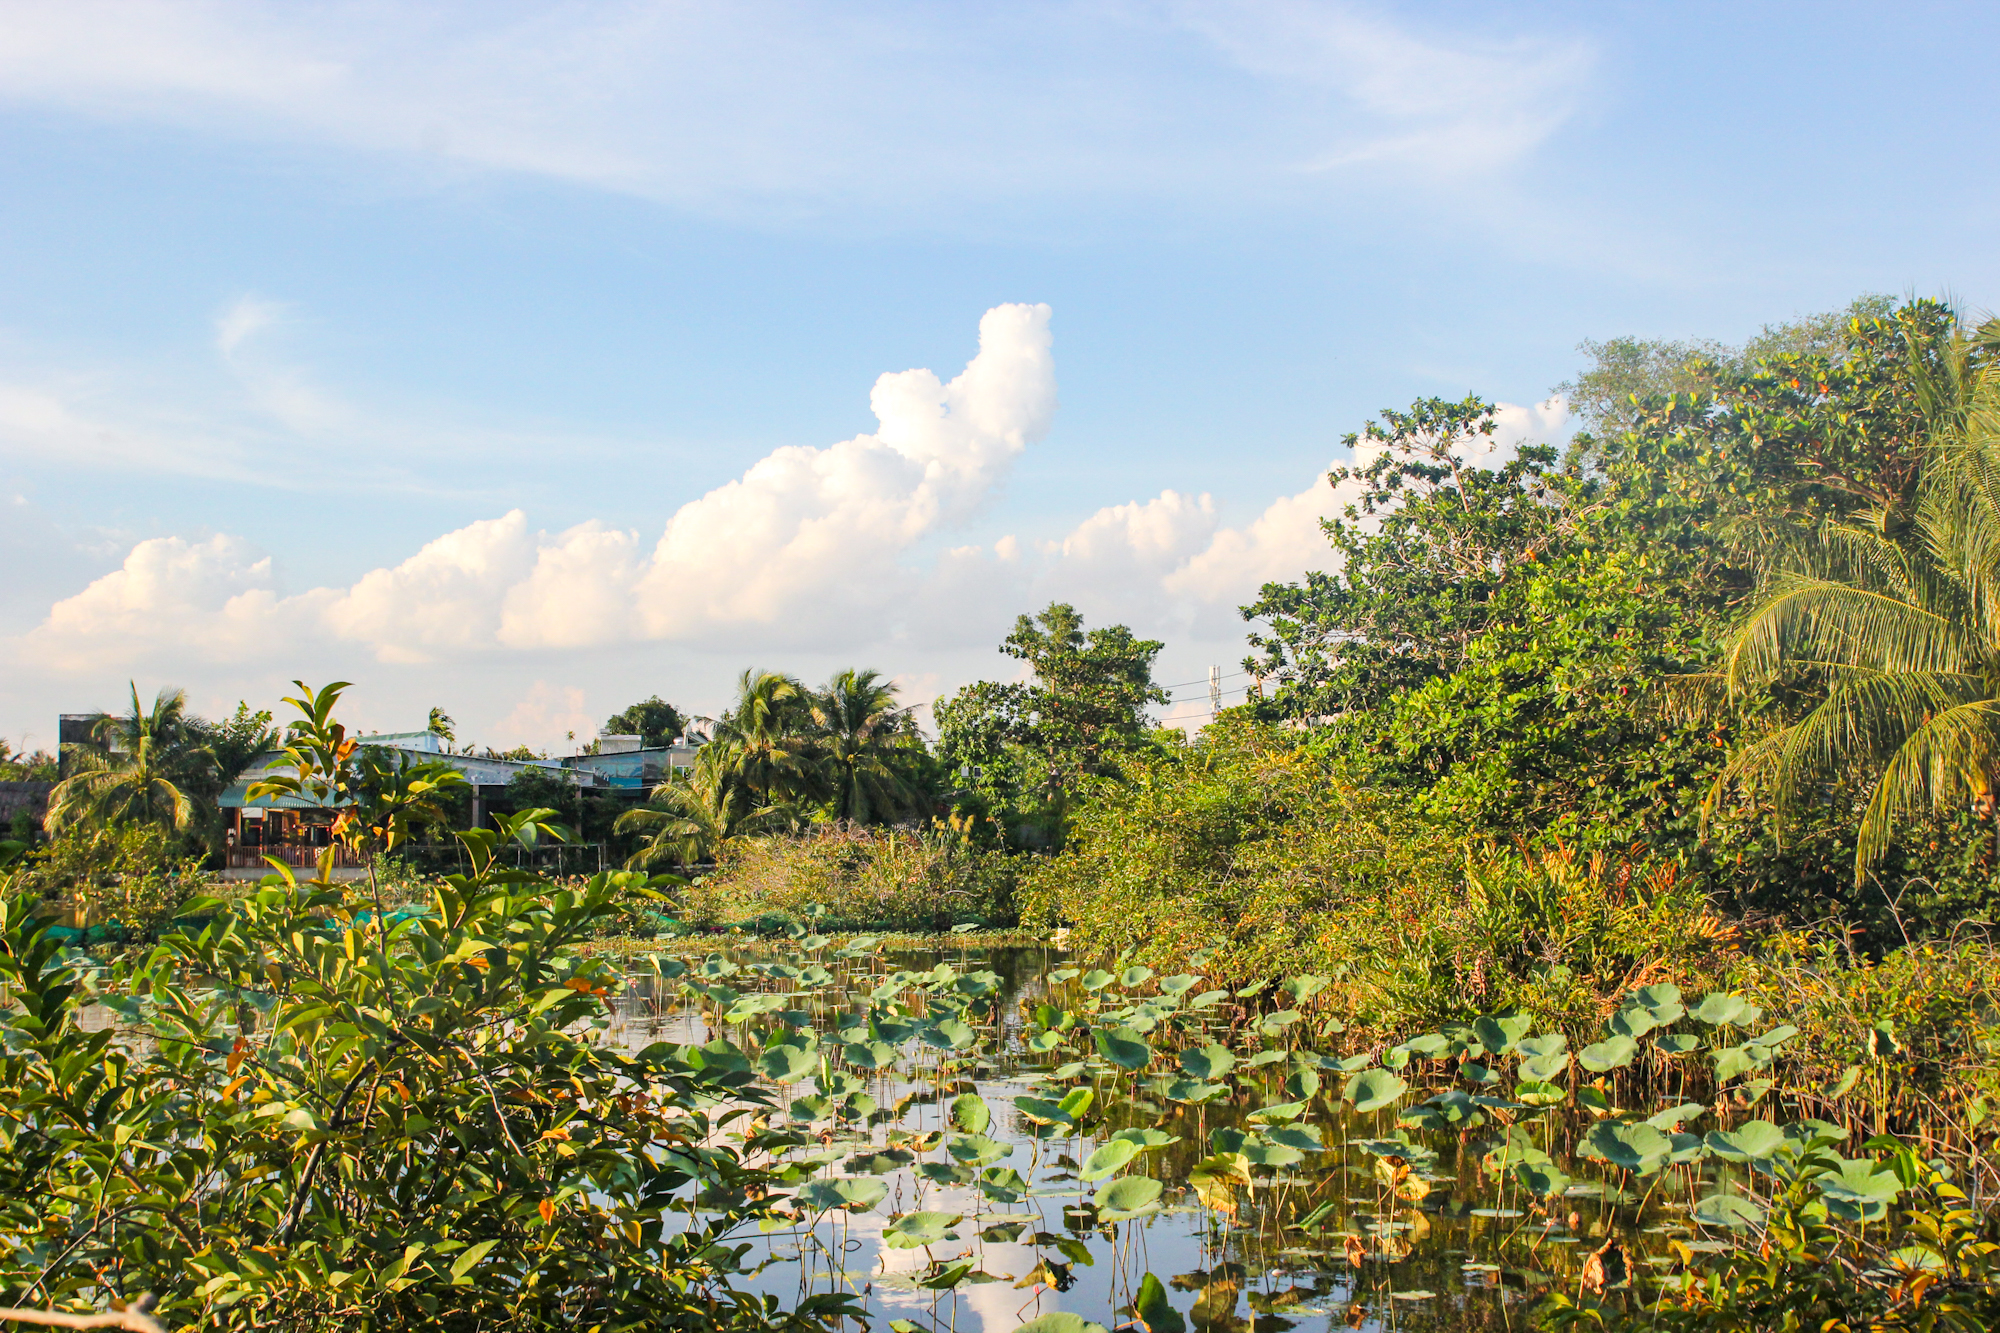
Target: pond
(982, 1138)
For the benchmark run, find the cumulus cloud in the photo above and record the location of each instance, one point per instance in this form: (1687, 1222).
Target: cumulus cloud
(806, 547)
(812, 550)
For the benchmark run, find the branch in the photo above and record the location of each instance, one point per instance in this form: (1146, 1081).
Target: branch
(136, 1319)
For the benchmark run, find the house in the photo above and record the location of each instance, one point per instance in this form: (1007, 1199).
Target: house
(298, 831)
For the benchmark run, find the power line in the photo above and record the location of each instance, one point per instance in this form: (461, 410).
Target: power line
(1227, 675)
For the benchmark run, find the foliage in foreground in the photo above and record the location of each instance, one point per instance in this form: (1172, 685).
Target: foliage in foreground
(345, 1118)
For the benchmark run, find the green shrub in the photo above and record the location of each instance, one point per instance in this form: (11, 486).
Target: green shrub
(851, 878)
(127, 878)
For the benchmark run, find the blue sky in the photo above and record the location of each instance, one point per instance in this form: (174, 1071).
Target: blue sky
(299, 304)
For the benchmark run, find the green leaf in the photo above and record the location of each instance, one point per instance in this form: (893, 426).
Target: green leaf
(1721, 1009)
(1752, 1141)
(1128, 1197)
(1060, 1321)
(1109, 1159)
(470, 1258)
(914, 1230)
(1542, 1179)
(977, 1149)
(1728, 1210)
(1501, 1033)
(1638, 1148)
(969, 1114)
(855, 1196)
(1207, 1063)
(1373, 1089)
(1153, 1308)
(1614, 1052)
(1123, 1047)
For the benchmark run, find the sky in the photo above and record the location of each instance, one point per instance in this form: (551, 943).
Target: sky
(529, 359)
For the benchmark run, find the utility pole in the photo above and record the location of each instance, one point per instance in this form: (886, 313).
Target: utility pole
(1214, 693)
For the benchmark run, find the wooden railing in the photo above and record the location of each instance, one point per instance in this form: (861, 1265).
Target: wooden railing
(298, 856)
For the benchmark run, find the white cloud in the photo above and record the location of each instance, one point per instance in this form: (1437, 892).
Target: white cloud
(806, 547)
(812, 552)
(780, 108)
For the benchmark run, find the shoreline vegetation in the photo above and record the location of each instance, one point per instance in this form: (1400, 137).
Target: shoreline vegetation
(1597, 879)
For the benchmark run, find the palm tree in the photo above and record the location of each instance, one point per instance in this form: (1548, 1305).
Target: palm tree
(1894, 618)
(863, 740)
(763, 742)
(688, 820)
(135, 768)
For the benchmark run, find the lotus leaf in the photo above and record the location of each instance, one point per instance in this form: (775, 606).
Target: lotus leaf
(914, 1230)
(1632, 1021)
(1752, 1141)
(1147, 1138)
(1127, 1197)
(969, 1114)
(1208, 999)
(1264, 1058)
(976, 1149)
(1640, 1148)
(1808, 1132)
(945, 1173)
(1673, 1117)
(1123, 1047)
(1272, 1154)
(1194, 1091)
(1275, 1023)
(1003, 1184)
(1539, 1093)
(950, 1035)
(1110, 1158)
(1154, 1310)
(1302, 1084)
(1373, 1089)
(1728, 1210)
(869, 1054)
(1278, 1114)
(1303, 1137)
(1501, 1033)
(1207, 1063)
(1045, 1041)
(787, 1064)
(1097, 979)
(1614, 1052)
(1736, 1061)
(1721, 1009)
(1679, 1043)
(1226, 1139)
(1306, 985)
(853, 1195)
(1060, 1321)
(1179, 985)
(1860, 1190)
(1076, 1101)
(1429, 1045)
(1541, 1179)
(1135, 976)
(1214, 1179)
(1042, 1111)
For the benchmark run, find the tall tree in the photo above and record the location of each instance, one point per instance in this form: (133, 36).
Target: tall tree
(688, 820)
(1085, 703)
(864, 745)
(136, 768)
(1892, 616)
(764, 740)
(653, 720)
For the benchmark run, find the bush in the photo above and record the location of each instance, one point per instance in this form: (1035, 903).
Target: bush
(850, 878)
(127, 879)
(1251, 852)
